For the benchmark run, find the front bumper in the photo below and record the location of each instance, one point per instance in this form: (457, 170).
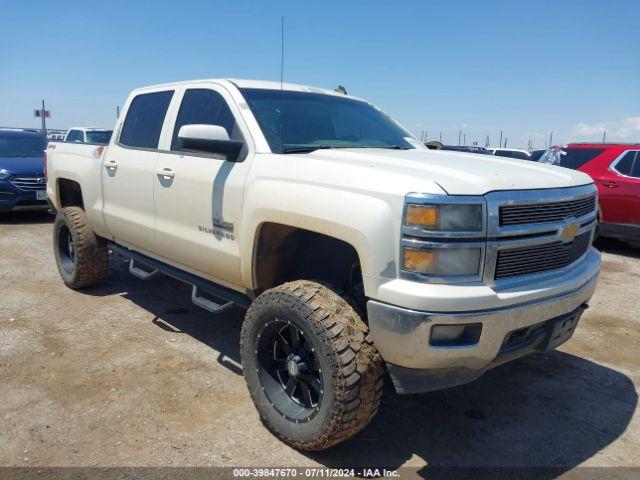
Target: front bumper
(13, 199)
(402, 337)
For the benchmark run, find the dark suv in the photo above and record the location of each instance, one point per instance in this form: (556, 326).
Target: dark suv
(22, 179)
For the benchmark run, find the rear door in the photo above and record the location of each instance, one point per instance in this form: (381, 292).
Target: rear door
(128, 171)
(620, 186)
(199, 196)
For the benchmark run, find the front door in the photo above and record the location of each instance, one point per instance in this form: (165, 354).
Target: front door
(199, 196)
(128, 172)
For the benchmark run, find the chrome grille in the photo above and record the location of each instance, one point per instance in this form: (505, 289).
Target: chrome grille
(545, 212)
(29, 183)
(540, 258)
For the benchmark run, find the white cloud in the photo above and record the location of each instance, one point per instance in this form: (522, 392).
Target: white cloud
(625, 130)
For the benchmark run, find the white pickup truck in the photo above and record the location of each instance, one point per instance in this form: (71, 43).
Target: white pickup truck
(353, 247)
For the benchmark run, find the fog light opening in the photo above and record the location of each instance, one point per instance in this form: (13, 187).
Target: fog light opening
(464, 335)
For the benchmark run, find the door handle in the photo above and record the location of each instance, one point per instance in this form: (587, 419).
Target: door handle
(166, 173)
(112, 164)
(610, 184)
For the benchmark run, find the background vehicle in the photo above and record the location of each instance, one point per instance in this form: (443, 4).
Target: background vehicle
(536, 154)
(510, 153)
(351, 244)
(22, 178)
(466, 148)
(616, 171)
(88, 135)
(435, 145)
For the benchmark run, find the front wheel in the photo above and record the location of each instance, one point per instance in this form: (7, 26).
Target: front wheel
(312, 372)
(81, 256)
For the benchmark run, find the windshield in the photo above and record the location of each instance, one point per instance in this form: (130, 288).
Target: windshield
(21, 146)
(102, 137)
(302, 121)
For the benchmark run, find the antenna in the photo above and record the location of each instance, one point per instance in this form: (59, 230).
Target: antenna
(281, 78)
(281, 52)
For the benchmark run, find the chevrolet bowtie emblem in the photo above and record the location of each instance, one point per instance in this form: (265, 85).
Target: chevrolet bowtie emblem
(569, 232)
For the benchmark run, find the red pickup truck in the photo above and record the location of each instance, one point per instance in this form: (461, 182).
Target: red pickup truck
(615, 168)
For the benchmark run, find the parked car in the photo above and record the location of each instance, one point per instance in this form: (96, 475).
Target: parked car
(510, 153)
(22, 178)
(466, 148)
(615, 169)
(436, 145)
(88, 135)
(536, 154)
(353, 246)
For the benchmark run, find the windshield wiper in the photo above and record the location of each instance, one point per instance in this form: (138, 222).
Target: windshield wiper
(310, 148)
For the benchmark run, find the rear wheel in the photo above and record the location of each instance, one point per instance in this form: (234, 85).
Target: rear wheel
(313, 373)
(81, 256)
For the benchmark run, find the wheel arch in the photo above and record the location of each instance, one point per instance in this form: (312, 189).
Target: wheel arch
(358, 224)
(69, 193)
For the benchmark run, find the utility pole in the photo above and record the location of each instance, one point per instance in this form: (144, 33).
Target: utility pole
(505, 142)
(117, 112)
(440, 137)
(43, 114)
(464, 140)
(500, 142)
(604, 137)
(550, 138)
(487, 143)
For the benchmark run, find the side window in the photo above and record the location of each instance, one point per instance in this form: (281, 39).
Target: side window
(626, 164)
(145, 116)
(635, 171)
(73, 136)
(512, 154)
(205, 107)
(576, 157)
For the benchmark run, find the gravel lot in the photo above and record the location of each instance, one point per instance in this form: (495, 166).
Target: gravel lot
(131, 374)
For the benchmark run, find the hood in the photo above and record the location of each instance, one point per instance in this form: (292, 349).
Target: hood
(454, 172)
(23, 165)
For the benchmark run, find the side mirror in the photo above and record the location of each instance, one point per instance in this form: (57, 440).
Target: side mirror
(209, 139)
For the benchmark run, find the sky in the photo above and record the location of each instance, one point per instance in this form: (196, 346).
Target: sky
(477, 67)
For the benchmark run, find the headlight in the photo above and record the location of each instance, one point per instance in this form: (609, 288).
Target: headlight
(4, 174)
(461, 217)
(443, 237)
(442, 262)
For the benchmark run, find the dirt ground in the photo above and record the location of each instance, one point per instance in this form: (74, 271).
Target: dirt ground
(132, 374)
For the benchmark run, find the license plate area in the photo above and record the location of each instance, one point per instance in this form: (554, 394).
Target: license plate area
(561, 331)
(41, 194)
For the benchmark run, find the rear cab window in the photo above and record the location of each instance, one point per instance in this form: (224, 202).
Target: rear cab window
(145, 117)
(99, 136)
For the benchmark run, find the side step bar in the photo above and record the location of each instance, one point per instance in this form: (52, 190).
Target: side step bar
(230, 297)
(140, 273)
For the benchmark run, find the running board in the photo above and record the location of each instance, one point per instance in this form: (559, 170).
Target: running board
(140, 273)
(207, 304)
(228, 296)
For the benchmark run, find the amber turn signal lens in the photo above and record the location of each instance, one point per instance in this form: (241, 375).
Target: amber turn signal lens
(423, 261)
(423, 216)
